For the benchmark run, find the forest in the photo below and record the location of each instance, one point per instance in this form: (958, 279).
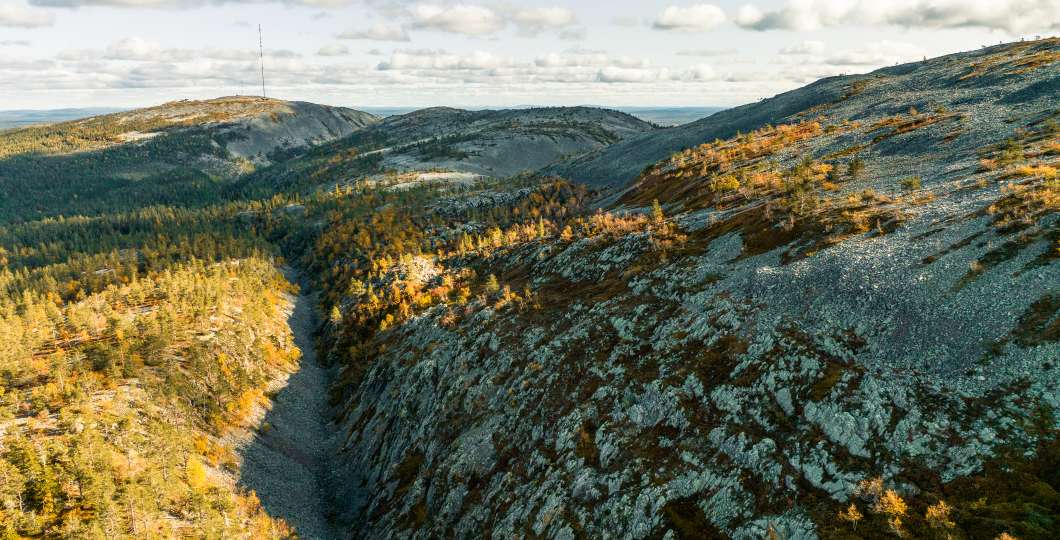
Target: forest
(139, 348)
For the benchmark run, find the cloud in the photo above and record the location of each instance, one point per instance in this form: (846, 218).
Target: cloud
(700, 72)
(378, 32)
(588, 59)
(697, 18)
(140, 50)
(142, 4)
(708, 52)
(457, 19)
(1012, 16)
(573, 34)
(18, 16)
(635, 75)
(804, 48)
(441, 60)
(876, 54)
(614, 74)
(532, 21)
(335, 49)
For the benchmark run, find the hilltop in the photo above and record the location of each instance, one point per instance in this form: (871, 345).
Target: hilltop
(492, 143)
(175, 151)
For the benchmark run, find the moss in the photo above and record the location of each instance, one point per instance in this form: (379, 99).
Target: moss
(586, 445)
(833, 372)
(899, 127)
(688, 521)
(406, 471)
(1040, 323)
(715, 364)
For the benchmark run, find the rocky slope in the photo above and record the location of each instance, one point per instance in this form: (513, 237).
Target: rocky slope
(869, 290)
(503, 143)
(488, 143)
(618, 164)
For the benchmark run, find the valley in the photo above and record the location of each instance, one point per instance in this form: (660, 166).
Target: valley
(834, 313)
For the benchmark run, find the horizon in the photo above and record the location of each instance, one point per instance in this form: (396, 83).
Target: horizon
(486, 54)
(663, 116)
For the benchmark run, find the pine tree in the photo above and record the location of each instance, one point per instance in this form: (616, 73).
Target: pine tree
(657, 216)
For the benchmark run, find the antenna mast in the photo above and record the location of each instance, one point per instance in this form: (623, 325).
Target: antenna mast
(261, 56)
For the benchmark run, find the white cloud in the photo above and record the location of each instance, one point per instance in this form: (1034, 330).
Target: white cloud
(140, 4)
(876, 54)
(140, 50)
(708, 52)
(614, 74)
(573, 34)
(804, 48)
(135, 49)
(335, 49)
(532, 21)
(1013, 16)
(378, 32)
(441, 60)
(697, 18)
(588, 59)
(701, 72)
(19, 16)
(457, 19)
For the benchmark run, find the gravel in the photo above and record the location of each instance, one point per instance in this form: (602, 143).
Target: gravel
(288, 458)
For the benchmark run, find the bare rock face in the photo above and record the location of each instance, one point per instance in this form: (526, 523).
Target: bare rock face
(292, 126)
(500, 143)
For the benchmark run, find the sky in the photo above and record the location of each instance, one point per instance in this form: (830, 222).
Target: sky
(477, 53)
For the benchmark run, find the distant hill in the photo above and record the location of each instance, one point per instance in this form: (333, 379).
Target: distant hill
(176, 151)
(671, 116)
(491, 143)
(663, 116)
(22, 118)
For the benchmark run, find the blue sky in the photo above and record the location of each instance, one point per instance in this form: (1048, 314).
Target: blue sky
(79, 53)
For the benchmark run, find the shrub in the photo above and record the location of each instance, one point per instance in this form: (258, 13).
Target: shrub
(724, 183)
(1039, 171)
(851, 515)
(491, 284)
(855, 168)
(938, 516)
(657, 215)
(912, 183)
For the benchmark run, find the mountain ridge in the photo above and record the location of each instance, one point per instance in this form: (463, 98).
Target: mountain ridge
(619, 164)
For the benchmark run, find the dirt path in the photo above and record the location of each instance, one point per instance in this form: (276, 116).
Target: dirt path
(288, 459)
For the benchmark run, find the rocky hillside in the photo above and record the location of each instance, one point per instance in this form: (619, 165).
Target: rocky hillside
(503, 143)
(486, 143)
(916, 83)
(841, 322)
